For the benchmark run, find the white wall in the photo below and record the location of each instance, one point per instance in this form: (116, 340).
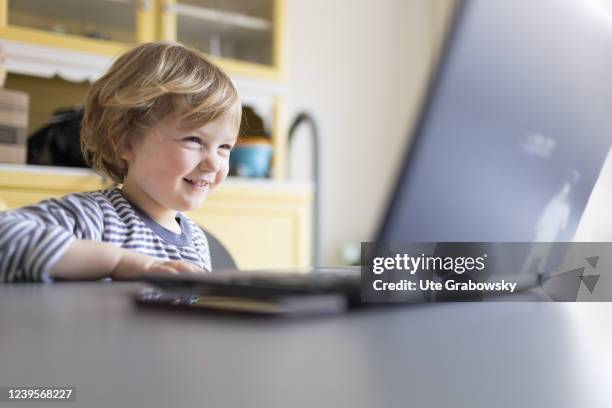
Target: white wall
(359, 66)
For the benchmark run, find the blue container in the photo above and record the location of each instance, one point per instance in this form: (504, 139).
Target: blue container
(251, 160)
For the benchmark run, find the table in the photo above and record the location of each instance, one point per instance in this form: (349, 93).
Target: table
(93, 337)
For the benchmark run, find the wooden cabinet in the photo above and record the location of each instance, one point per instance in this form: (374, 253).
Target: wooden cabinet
(263, 224)
(77, 40)
(244, 37)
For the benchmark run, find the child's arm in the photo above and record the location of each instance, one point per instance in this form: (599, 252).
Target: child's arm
(62, 235)
(94, 260)
(33, 238)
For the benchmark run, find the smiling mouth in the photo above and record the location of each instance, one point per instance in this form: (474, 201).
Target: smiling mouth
(197, 183)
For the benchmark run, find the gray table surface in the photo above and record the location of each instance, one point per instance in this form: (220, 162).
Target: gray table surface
(93, 337)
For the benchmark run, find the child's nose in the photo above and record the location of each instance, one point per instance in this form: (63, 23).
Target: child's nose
(210, 163)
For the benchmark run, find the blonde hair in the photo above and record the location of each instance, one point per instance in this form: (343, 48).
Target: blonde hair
(148, 84)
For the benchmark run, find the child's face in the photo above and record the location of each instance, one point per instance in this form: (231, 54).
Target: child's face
(174, 169)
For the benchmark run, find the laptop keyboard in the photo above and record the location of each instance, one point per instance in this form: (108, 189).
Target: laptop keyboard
(260, 284)
(319, 280)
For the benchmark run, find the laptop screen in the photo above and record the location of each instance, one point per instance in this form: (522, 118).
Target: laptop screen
(515, 129)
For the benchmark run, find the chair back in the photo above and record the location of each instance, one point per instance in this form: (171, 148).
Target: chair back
(219, 255)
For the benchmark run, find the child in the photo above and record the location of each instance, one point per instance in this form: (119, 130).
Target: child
(162, 121)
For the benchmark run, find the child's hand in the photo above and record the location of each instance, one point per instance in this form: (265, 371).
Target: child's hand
(132, 265)
(173, 267)
(86, 260)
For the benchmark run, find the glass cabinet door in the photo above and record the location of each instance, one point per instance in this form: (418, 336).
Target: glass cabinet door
(111, 20)
(241, 30)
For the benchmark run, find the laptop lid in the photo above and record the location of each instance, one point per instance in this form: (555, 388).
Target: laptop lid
(515, 127)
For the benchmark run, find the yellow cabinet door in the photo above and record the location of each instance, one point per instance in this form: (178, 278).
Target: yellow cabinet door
(243, 37)
(92, 26)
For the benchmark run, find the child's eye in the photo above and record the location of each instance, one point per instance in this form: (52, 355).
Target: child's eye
(226, 147)
(193, 139)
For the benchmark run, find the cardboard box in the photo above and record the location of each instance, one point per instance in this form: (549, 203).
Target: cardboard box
(14, 108)
(12, 154)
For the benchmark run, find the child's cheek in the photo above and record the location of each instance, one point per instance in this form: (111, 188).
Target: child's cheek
(222, 173)
(181, 160)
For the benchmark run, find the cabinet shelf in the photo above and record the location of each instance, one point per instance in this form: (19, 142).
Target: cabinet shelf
(221, 18)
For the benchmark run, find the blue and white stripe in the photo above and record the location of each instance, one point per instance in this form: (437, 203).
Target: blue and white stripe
(33, 238)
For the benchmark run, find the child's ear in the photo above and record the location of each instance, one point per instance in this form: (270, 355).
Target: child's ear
(125, 150)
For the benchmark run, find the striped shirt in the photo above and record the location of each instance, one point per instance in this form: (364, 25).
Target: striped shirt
(33, 238)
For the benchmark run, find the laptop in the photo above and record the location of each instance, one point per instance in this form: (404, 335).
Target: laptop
(511, 138)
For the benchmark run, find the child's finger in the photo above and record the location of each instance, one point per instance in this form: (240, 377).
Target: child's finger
(167, 270)
(182, 266)
(163, 268)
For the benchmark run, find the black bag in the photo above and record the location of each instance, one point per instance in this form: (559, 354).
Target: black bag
(58, 142)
